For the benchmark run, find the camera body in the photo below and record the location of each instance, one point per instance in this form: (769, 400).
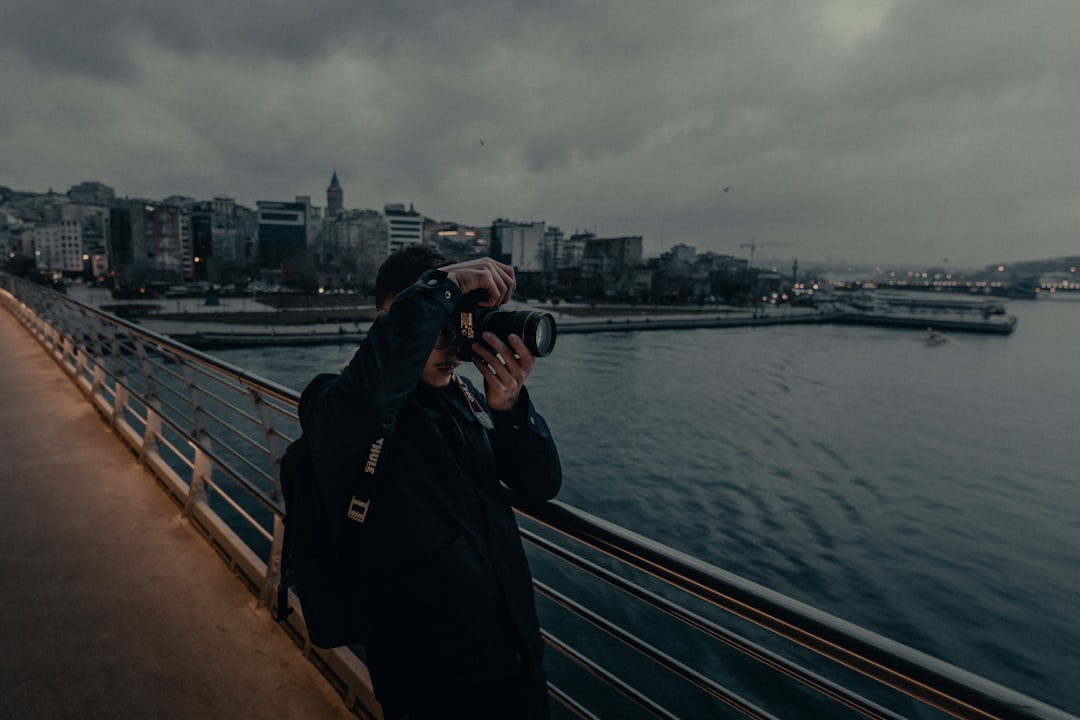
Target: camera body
(536, 329)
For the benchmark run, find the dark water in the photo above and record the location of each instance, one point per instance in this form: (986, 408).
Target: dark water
(927, 493)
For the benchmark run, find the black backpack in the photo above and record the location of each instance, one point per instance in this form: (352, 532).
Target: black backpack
(323, 571)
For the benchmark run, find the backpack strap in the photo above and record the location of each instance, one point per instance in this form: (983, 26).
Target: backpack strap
(295, 461)
(358, 506)
(297, 453)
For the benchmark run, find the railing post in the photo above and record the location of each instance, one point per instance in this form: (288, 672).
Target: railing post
(200, 472)
(276, 446)
(150, 433)
(97, 385)
(268, 592)
(80, 362)
(150, 384)
(274, 443)
(119, 404)
(117, 362)
(66, 350)
(153, 427)
(202, 468)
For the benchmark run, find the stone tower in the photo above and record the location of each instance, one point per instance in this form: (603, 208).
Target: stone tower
(335, 198)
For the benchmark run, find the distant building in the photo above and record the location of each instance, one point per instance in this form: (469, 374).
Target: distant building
(166, 230)
(355, 243)
(461, 242)
(91, 193)
(232, 237)
(58, 247)
(314, 217)
(94, 220)
(125, 242)
(672, 281)
(518, 244)
(282, 234)
(406, 226)
(608, 266)
(680, 254)
(227, 245)
(573, 250)
(770, 285)
(202, 242)
(335, 198)
(554, 242)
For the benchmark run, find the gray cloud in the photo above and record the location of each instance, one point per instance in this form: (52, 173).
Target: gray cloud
(849, 129)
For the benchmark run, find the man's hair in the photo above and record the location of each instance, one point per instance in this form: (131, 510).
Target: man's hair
(403, 268)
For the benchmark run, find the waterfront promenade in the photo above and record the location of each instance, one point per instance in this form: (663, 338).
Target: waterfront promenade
(112, 605)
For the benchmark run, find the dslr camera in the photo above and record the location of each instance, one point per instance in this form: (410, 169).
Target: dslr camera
(536, 329)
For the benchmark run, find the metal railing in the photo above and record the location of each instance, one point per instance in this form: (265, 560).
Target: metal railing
(636, 629)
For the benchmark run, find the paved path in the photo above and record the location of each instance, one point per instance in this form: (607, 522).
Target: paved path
(111, 605)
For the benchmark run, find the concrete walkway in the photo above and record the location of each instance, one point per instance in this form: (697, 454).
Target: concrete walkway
(111, 605)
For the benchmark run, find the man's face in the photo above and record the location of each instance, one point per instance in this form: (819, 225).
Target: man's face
(443, 360)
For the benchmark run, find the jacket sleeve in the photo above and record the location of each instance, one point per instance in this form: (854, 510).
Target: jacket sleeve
(363, 401)
(525, 451)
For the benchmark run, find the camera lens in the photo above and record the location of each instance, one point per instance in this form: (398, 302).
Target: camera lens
(536, 329)
(539, 333)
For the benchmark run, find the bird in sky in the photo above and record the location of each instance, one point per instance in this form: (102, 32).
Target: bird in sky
(481, 142)
(727, 188)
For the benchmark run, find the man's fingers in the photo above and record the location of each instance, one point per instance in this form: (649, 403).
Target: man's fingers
(495, 277)
(512, 363)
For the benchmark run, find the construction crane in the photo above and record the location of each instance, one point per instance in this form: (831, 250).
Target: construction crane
(754, 245)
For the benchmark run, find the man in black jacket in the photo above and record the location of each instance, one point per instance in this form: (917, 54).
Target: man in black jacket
(446, 589)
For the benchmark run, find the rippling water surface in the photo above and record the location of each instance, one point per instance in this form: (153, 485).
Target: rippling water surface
(927, 493)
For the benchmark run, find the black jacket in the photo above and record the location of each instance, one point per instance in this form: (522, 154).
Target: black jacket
(447, 587)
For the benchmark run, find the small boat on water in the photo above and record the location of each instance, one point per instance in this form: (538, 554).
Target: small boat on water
(933, 338)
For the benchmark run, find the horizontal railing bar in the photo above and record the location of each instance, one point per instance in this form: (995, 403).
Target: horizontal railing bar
(752, 650)
(662, 659)
(176, 453)
(176, 411)
(164, 368)
(219, 443)
(229, 406)
(238, 434)
(254, 492)
(277, 391)
(611, 680)
(933, 681)
(236, 506)
(570, 704)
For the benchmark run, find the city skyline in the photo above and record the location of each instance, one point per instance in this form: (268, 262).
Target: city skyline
(858, 131)
(768, 258)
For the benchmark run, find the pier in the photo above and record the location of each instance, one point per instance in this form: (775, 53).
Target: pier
(202, 330)
(207, 335)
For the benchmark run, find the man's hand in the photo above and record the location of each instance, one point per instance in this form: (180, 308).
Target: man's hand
(486, 274)
(504, 376)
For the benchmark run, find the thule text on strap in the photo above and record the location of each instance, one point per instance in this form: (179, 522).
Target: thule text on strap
(373, 456)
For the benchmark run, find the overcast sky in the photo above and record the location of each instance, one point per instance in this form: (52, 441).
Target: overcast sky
(857, 131)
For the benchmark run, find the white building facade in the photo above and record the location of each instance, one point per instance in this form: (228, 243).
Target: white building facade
(406, 226)
(58, 246)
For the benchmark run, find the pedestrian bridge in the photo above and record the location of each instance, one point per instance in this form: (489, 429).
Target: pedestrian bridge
(133, 465)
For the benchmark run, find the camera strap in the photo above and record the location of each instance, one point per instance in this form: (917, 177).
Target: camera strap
(474, 405)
